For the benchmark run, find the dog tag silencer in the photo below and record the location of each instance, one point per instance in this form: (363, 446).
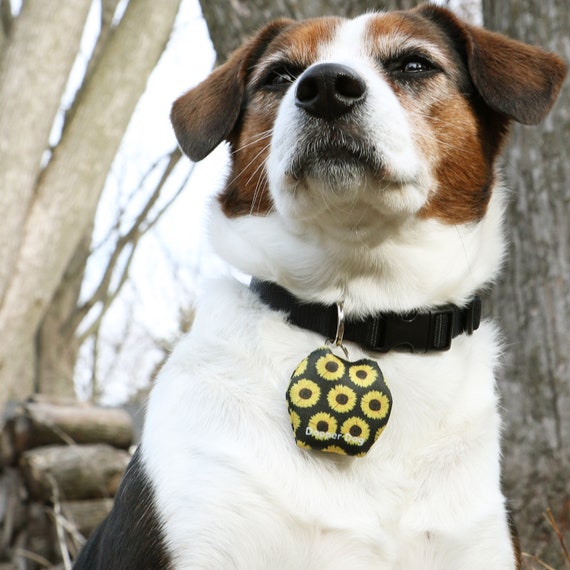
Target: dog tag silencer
(336, 405)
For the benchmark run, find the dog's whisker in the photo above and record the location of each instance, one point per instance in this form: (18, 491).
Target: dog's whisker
(260, 184)
(258, 195)
(245, 168)
(261, 137)
(260, 166)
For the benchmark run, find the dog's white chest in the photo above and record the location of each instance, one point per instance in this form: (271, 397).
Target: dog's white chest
(233, 486)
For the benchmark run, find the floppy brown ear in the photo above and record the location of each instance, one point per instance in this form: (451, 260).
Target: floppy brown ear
(516, 79)
(206, 115)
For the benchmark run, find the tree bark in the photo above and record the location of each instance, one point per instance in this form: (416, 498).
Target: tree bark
(66, 194)
(231, 21)
(532, 300)
(57, 344)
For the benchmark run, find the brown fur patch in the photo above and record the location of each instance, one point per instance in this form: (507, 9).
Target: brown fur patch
(207, 114)
(446, 124)
(510, 80)
(302, 42)
(246, 191)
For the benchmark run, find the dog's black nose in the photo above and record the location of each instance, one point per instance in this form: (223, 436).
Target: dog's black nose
(329, 90)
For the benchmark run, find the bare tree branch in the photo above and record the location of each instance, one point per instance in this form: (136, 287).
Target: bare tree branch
(105, 294)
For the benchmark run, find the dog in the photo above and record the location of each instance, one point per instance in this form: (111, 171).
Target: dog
(365, 200)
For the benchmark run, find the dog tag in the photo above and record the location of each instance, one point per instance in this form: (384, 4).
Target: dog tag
(336, 405)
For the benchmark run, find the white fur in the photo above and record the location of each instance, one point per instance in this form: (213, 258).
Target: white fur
(233, 489)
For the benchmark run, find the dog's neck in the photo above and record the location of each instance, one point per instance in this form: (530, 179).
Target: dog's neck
(422, 331)
(424, 265)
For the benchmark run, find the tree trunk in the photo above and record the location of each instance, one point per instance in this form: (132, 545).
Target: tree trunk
(34, 70)
(59, 212)
(231, 21)
(532, 300)
(57, 344)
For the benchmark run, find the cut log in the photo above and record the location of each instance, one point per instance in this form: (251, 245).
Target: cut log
(13, 514)
(75, 472)
(36, 424)
(41, 539)
(85, 516)
(7, 451)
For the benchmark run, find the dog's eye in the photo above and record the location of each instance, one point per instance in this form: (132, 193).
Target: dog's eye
(412, 67)
(280, 77)
(416, 66)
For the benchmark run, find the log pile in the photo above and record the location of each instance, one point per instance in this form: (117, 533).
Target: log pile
(60, 465)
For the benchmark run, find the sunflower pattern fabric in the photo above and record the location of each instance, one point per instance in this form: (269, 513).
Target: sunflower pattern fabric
(336, 405)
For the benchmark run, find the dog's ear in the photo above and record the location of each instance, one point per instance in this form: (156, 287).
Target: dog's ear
(516, 79)
(206, 115)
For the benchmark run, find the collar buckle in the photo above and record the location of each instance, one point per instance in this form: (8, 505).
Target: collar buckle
(442, 325)
(423, 332)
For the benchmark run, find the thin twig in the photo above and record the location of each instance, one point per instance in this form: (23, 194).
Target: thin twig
(552, 522)
(70, 527)
(58, 526)
(538, 561)
(23, 553)
(130, 238)
(65, 437)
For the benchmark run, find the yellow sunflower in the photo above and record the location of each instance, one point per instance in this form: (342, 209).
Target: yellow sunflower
(355, 430)
(335, 449)
(301, 368)
(330, 367)
(322, 424)
(304, 393)
(363, 375)
(379, 433)
(375, 405)
(341, 398)
(295, 420)
(302, 444)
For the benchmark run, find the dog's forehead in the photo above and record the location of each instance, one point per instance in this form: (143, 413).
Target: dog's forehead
(379, 34)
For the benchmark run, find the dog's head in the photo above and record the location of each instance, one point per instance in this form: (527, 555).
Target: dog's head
(355, 142)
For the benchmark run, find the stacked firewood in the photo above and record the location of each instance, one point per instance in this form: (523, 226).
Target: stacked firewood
(60, 465)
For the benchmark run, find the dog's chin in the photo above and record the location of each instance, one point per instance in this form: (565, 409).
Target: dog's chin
(338, 172)
(335, 177)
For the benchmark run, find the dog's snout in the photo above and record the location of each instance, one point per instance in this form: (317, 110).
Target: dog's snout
(329, 90)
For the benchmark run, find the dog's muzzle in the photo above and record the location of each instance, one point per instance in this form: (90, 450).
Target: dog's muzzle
(332, 146)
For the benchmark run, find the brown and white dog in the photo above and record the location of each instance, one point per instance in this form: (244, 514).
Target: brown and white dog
(364, 172)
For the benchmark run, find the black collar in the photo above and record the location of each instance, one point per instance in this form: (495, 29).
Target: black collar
(426, 331)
